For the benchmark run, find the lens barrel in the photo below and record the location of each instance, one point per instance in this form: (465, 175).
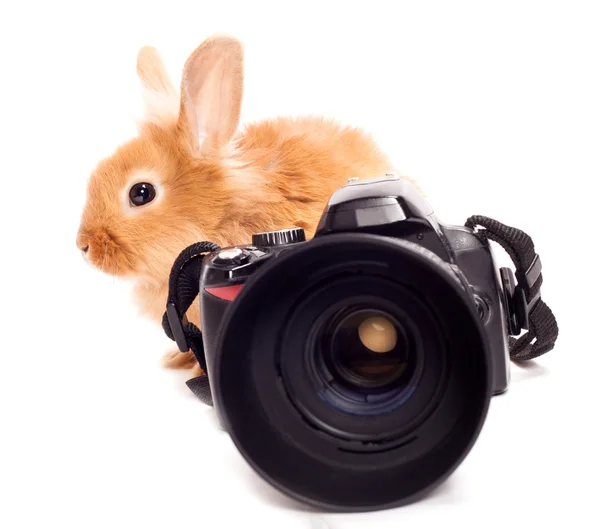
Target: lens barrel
(352, 372)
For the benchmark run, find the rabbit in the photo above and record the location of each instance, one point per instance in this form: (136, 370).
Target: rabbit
(190, 175)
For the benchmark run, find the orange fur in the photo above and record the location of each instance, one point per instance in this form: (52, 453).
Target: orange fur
(212, 184)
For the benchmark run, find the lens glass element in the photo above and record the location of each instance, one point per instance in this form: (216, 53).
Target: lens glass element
(366, 349)
(362, 354)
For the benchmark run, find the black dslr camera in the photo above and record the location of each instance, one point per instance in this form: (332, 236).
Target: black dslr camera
(354, 371)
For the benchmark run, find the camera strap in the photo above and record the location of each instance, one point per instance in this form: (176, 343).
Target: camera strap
(184, 286)
(525, 308)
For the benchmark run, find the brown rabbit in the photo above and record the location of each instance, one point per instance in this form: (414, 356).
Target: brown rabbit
(190, 176)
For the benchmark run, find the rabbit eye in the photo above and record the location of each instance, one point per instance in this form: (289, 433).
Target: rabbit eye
(142, 193)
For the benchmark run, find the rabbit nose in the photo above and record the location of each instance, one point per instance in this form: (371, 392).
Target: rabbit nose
(83, 243)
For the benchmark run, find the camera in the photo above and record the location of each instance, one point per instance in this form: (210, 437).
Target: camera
(354, 371)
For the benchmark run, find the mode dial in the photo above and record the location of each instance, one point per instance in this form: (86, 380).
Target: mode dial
(276, 238)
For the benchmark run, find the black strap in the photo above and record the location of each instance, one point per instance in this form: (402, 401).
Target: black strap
(527, 307)
(532, 312)
(183, 290)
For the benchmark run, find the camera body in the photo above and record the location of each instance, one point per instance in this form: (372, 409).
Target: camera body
(388, 207)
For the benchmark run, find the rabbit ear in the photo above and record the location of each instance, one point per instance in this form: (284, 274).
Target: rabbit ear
(161, 100)
(211, 91)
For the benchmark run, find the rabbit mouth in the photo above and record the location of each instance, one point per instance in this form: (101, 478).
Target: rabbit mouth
(107, 254)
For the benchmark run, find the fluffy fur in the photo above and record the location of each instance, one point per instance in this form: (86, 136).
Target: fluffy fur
(213, 183)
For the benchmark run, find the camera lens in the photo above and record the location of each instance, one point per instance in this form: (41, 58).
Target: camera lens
(362, 383)
(366, 349)
(361, 355)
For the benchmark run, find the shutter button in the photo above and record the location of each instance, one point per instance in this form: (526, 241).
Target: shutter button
(232, 256)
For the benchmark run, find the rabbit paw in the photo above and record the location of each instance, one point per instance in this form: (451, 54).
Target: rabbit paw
(178, 360)
(197, 371)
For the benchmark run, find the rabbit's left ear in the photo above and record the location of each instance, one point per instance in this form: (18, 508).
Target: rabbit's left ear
(161, 99)
(211, 92)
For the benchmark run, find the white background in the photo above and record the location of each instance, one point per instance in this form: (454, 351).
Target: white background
(494, 109)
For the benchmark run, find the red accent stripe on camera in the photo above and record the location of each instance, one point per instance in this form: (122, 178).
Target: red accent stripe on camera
(228, 293)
